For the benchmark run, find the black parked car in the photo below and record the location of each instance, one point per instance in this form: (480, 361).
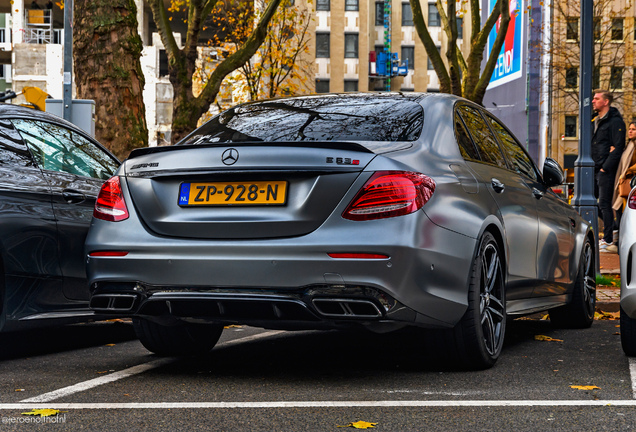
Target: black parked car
(50, 175)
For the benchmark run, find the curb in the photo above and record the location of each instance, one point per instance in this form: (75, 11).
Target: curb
(608, 306)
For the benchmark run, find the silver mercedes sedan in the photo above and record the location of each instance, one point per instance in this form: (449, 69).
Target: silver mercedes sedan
(335, 211)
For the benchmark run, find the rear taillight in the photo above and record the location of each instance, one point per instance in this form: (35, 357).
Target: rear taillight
(110, 204)
(631, 200)
(390, 193)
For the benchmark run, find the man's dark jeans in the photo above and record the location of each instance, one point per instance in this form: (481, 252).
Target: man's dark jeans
(604, 190)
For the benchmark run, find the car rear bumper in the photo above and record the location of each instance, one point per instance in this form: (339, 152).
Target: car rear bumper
(424, 280)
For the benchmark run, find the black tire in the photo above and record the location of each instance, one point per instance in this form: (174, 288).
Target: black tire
(579, 313)
(180, 340)
(475, 342)
(628, 334)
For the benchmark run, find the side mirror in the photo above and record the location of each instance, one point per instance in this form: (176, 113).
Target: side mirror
(552, 173)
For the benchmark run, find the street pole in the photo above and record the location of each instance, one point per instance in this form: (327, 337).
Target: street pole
(68, 58)
(584, 200)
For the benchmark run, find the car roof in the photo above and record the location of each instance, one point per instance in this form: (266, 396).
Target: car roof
(8, 110)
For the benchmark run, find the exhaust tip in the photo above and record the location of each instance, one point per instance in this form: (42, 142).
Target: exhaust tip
(346, 308)
(113, 302)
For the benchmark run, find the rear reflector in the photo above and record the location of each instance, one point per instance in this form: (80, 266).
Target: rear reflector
(390, 193)
(108, 254)
(110, 204)
(358, 256)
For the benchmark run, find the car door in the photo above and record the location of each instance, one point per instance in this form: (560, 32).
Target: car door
(515, 201)
(28, 233)
(75, 168)
(555, 240)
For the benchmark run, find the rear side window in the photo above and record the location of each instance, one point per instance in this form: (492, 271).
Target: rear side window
(56, 148)
(466, 145)
(13, 152)
(335, 118)
(486, 143)
(521, 162)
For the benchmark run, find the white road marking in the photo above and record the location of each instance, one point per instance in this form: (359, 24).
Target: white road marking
(79, 387)
(632, 374)
(320, 404)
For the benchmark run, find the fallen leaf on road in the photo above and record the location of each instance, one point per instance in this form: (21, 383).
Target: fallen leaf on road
(585, 387)
(360, 425)
(117, 320)
(43, 412)
(232, 326)
(109, 345)
(616, 334)
(101, 372)
(612, 316)
(545, 317)
(546, 338)
(19, 389)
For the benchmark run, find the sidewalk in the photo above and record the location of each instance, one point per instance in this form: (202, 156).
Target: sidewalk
(608, 298)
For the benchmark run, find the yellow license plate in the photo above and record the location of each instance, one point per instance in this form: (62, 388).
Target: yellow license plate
(233, 193)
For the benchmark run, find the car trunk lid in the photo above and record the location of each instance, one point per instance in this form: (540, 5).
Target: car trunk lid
(246, 191)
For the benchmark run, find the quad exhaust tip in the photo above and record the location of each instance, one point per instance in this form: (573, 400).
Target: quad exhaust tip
(334, 307)
(113, 302)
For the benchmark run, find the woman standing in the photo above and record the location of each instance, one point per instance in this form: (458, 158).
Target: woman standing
(626, 170)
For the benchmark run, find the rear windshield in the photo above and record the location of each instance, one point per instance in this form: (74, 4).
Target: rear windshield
(334, 118)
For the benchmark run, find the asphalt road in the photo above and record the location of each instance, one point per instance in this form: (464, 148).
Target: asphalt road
(101, 377)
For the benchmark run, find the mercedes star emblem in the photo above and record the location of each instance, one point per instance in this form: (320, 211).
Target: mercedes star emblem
(230, 156)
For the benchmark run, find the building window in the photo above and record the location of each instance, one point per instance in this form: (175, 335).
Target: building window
(433, 16)
(460, 28)
(322, 86)
(351, 45)
(351, 5)
(571, 77)
(379, 14)
(163, 63)
(572, 32)
(407, 14)
(596, 77)
(430, 63)
(408, 54)
(351, 86)
(617, 29)
(1, 71)
(597, 29)
(616, 78)
(570, 126)
(323, 5)
(322, 45)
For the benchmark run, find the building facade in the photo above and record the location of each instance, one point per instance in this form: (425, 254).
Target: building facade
(614, 70)
(349, 33)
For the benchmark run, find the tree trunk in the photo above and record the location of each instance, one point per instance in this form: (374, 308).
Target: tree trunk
(106, 53)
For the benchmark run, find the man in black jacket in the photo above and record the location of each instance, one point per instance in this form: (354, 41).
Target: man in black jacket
(608, 143)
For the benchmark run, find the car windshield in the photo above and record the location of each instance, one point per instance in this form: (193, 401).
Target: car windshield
(333, 118)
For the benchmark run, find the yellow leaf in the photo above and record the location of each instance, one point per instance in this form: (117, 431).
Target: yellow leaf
(611, 316)
(585, 387)
(101, 372)
(19, 389)
(546, 338)
(360, 425)
(109, 345)
(43, 412)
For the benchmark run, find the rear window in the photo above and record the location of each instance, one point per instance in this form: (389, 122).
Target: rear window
(335, 118)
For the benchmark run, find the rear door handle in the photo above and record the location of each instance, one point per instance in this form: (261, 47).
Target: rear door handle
(72, 196)
(537, 193)
(497, 185)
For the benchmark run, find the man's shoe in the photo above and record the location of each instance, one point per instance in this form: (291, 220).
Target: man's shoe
(603, 245)
(610, 249)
